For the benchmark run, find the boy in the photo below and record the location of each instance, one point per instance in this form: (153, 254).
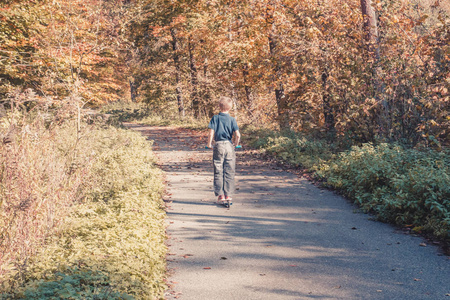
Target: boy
(225, 132)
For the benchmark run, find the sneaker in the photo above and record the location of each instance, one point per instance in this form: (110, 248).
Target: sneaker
(221, 198)
(228, 200)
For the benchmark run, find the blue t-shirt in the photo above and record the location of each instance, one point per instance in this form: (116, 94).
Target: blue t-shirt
(224, 126)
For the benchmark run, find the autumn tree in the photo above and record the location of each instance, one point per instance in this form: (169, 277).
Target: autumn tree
(312, 66)
(61, 48)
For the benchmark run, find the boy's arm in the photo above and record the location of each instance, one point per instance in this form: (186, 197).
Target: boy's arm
(236, 138)
(210, 138)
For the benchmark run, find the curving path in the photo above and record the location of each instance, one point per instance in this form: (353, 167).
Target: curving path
(283, 238)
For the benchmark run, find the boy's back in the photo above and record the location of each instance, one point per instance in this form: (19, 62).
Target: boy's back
(224, 126)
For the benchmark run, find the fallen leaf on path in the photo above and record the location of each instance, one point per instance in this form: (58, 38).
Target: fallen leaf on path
(422, 244)
(417, 279)
(293, 266)
(223, 258)
(207, 268)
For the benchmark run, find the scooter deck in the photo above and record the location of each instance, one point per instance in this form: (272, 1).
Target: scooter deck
(226, 203)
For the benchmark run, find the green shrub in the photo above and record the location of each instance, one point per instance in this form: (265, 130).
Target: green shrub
(407, 187)
(74, 284)
(403, 186)
(292, 148)
(121, 111)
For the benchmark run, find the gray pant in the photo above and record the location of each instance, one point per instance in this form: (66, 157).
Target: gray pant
(224, 160)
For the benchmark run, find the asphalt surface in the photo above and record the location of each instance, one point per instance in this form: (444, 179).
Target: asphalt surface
(283, 238)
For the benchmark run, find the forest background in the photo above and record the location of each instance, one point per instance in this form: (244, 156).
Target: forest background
(355, 91)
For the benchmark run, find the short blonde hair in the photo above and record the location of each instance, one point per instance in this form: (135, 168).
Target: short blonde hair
(225, 103)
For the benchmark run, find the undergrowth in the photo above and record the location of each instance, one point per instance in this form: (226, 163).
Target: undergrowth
(108, 243)
(403, 186)
(138, 112)
(289, 147)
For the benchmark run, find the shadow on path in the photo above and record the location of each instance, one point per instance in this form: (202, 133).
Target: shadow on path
(283, 238)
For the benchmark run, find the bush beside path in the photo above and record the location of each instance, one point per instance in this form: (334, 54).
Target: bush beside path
(283, 238)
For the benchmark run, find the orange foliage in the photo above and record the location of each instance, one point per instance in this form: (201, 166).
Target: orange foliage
(333, 84)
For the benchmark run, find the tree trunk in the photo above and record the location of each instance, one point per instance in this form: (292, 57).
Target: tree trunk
(370, 25)
(209, 107)
(371, 37)
(327, 109)
(283, 113)
(248, 91)
(176, 59)
(133, 92)
(371, 30)
(194, 80)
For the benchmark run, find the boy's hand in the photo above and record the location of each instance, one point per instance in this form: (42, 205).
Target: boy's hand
(210, 139)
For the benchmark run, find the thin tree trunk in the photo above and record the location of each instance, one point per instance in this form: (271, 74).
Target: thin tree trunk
(371, 37)
(176, 59)
(194, 80)
(283, 114)
(370, 26)
(132, 90)
(327, 109)
(205, 94)
(371, 30)
(248, 91)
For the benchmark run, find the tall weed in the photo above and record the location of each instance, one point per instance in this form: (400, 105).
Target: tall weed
(37, 188)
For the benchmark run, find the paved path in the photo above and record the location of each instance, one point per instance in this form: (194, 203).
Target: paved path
(283, 238)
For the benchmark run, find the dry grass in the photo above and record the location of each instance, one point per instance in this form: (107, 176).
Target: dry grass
(37, 183)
